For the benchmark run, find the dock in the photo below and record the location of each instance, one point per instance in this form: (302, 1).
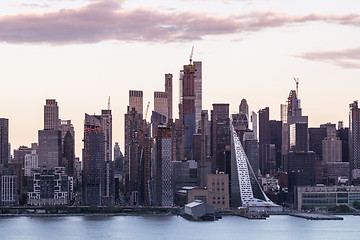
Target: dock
(316, 216)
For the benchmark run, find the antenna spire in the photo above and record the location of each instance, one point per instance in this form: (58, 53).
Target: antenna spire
(109, 103)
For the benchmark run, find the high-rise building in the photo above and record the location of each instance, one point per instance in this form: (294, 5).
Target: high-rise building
(106, 123)
(198, 92)
(264, 140)
(49, 150)
(220, 137)
(117, 152)
(169, 94)
(161, 103)
(354, 140)
(31, 163)
(331, 148)
(93, 161)
(244, 108)
(187, 111)
(136, 101)
(300, 161)
(163, 149)
(51, 114)
(207, 132)
(132, 170)
(343, 134)
(4, 141)
(69, 154)
(330, 129)
(68, 146)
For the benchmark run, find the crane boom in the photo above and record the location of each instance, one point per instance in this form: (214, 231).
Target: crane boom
(191, 55)
(147, 109)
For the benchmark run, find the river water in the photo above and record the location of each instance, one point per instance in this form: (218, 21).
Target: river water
(175, 228)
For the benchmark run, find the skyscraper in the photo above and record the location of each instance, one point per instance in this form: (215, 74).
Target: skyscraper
(4, 141)
(132, 171)
(198, 92)
(220, 137)
(161, 103)
(301, 161)
(51, 114)
(68, 146)
(106, 123)
(93, 161)
(264, 140)
(163, 149)
(354, 140)
(136, 101)
(188, 108)
(169, 94)
(49, 150)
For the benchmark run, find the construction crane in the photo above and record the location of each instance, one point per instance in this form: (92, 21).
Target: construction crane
(191, 55)
(147, 109)
(297, 86)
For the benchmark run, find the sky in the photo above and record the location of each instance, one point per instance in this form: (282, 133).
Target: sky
(80, 52)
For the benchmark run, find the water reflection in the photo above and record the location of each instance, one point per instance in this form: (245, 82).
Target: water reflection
(175, 228)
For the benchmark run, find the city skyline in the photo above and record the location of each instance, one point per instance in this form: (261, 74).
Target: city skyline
(253, 48)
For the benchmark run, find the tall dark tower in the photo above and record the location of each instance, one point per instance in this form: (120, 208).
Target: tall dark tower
(168, 91)
(354, 140)
(133, 168)
(220, 137)
(93, 161)
(69, 154)
(264, 140)
(188, 107)
(4, 141)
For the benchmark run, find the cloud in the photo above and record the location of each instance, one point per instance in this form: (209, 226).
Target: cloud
(34, 5)
(107, 20)
(348, 58)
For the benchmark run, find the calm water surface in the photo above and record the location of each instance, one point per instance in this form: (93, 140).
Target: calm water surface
(175, 228)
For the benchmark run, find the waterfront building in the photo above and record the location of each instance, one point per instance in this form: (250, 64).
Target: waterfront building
(51, 115)
(49, 187)
(133, 167)
(163, 166)
(354, 140)
(8, 184)
(322, 196)
(244, 188)
(97, 172)
(218, 187)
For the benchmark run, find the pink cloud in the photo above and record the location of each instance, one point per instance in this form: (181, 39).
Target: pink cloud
(347, 58)
(106, 20)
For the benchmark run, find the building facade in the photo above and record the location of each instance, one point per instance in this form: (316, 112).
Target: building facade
(51, 114)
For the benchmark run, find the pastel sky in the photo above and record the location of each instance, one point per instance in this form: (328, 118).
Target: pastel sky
(82, 51)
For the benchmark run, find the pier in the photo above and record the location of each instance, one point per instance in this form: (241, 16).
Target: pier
(316, 216)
